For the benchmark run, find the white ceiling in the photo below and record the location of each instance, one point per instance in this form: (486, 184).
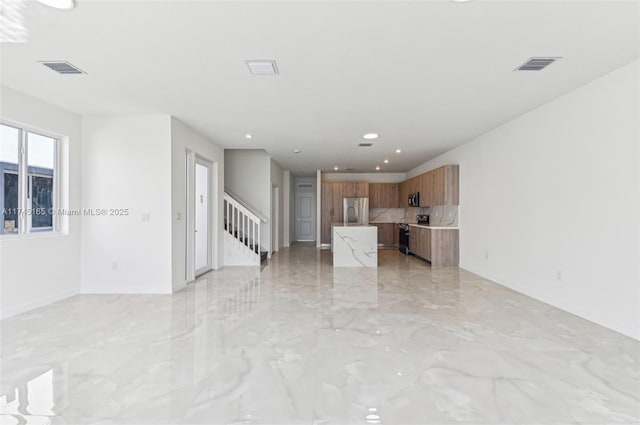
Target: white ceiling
(427, 76)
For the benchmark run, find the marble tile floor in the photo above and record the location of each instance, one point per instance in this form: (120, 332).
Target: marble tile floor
(298, 342)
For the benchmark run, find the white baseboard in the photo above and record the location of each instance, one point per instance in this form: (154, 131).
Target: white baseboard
(31, 305)
(593, 316)
(123, 291)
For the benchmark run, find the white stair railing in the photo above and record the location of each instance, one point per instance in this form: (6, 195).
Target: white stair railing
(242, 224)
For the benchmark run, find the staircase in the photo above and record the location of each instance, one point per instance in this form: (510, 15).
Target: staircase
(242, 234)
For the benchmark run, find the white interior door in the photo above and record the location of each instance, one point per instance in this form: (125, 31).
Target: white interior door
(201, 210)
(305, 227)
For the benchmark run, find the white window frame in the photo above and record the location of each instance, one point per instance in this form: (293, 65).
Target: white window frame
(24, 202)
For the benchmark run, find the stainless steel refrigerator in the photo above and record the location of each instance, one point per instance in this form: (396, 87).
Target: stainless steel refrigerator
(355, 210)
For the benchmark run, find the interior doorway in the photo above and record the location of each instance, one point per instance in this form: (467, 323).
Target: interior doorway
(202, 217)
(275, 218)
(198, 224)
(304, 223)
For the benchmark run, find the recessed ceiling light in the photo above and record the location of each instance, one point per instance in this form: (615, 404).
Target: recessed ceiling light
(262, 67)
(386, 161)
(58, 4)
(377, 167)
(248, 136)
(296, 151)
(370, 136)
(398, 151)
(335, 168)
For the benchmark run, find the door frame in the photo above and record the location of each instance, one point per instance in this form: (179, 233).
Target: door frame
(275, 218)
(192, 158)
(296, 236)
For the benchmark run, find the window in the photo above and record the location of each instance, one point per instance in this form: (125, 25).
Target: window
(27, 181)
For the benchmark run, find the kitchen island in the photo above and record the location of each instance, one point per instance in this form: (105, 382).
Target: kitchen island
(354, 245)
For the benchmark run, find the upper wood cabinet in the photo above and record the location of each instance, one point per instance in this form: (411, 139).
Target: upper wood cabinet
(440, 186)
(414, 185)
(353, 190)
(426, 189)
(403, 193)
(384, 195)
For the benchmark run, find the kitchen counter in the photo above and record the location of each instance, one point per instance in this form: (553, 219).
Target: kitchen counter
(354, 245)
(433, 227)
(341, 224)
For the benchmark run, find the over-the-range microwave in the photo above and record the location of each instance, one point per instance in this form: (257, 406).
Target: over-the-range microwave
(414, 199)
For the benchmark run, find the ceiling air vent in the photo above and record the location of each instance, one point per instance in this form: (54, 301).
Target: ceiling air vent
(365, 145)
(262, 67)
(536, 64)
(62, 67)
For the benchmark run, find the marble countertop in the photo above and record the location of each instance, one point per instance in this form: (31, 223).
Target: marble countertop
(416, 225)
(433, 227)
(341, 224)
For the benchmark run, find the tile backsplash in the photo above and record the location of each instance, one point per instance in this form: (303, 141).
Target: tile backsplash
(386, 215)
(440, 215)
(443, 215)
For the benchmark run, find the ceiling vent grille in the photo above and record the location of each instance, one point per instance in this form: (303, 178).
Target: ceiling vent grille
(262, 67)
(365, 145)
(62, 67)
(536, 64)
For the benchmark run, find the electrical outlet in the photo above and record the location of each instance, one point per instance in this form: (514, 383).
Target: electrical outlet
(486, 255)
(146, 217)
(558, 274)
(179, 216)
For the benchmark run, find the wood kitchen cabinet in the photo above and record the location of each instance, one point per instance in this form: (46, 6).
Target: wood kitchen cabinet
(414, 184)
(438, 246)
(414, 242)
(353, 190)
(384, 195)
(439, 186)
(326, 212)
(385, 233)
(420, 242)
(403, 192)
(426, 189)
(444, 248)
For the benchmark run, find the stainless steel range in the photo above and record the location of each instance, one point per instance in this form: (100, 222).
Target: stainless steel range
(403, 238)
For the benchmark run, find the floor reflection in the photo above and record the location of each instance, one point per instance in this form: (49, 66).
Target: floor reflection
(299, 342)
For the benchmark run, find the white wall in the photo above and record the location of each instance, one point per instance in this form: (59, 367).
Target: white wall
(247, 172)
(364, 177)
(277, 180)
(559, 189)
(126, 163)
(36, 270)
(184, 138)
